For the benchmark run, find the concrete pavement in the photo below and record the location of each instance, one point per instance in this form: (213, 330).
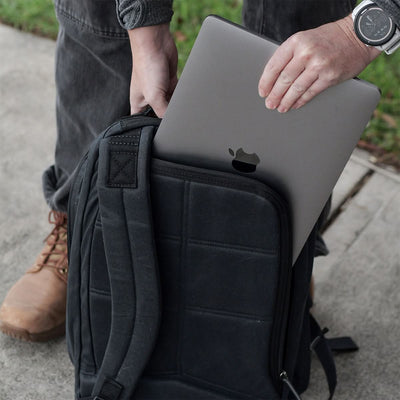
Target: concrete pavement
(27, 136)
(356, 285)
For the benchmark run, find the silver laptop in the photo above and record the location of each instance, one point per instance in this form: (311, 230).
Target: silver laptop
(217, 120)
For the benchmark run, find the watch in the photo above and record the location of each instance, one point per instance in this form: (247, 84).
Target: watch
(376, 28)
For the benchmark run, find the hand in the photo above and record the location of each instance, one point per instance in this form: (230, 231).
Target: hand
(310, 62)
(154, 68)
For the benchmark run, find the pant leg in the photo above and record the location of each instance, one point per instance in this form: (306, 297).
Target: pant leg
(93, 68)
(279, 19)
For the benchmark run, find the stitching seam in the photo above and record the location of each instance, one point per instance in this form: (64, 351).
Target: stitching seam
(71, 18)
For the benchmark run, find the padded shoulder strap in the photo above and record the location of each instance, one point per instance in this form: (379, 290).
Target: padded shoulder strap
(125, 209)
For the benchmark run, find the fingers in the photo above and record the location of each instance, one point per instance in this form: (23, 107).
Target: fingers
(294, 85)
(288, 81)
(299, 88)
(155, 97)
(158, 103)
(284, 79)
(310, 62)
(316, 88)
(273, 69)
(159, 106)
(138, 105)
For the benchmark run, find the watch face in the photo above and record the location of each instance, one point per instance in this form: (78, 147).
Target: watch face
(373, 26)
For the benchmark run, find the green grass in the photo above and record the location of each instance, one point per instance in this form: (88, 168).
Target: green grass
(384, 128)
(189, 15)
(37, 16)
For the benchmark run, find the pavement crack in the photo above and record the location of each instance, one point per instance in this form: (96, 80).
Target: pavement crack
(352, 193)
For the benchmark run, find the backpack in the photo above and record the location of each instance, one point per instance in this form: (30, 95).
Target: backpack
(181, 284)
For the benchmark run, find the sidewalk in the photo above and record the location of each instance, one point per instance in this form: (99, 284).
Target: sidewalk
(356, 285)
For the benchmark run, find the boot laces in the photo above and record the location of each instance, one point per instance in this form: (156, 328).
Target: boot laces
(55, 252)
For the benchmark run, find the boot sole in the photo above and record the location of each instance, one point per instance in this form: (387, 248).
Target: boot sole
(23, 334)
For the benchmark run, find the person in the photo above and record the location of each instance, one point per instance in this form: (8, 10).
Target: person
(111, 61)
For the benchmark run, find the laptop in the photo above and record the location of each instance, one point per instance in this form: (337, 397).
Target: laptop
(217, 120)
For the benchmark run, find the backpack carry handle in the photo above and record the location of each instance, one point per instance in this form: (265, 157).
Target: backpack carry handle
(123, 181)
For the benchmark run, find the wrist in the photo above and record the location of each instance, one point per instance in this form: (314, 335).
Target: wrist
(149, 38)
(347, 26)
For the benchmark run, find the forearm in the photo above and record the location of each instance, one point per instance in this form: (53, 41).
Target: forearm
(140, 13)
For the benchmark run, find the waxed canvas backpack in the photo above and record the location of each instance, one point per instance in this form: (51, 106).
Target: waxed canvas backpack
(181, 284)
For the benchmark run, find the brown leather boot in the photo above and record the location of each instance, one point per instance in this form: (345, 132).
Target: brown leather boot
(34, 308)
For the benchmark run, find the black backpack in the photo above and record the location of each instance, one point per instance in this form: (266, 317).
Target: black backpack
(181, 283)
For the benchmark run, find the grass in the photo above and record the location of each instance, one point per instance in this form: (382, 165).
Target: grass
(384, 129)
(383, 132)
(36, 16)
(190, 14)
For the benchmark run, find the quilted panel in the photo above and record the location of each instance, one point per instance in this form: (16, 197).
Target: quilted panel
(219, 254)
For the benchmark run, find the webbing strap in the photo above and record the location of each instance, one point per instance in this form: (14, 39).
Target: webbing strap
(125, 209)
(343, 344)
(321, 348)
(324, 347)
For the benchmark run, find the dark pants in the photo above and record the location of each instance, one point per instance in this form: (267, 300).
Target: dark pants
(279, 19)
(93, 67)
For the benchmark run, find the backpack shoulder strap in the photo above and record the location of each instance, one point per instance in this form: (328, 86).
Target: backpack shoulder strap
(125, 209)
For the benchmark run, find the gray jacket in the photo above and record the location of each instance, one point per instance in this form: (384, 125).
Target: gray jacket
(392, 7)
(136, 13)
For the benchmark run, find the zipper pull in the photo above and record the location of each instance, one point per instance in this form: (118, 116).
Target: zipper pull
(285, 379)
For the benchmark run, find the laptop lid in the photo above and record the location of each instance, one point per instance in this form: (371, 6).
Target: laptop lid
(217, 120)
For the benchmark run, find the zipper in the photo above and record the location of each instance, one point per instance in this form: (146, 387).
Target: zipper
(278, 335)
(285, 379)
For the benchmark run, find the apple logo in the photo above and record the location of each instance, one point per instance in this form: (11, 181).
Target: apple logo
(244, 162)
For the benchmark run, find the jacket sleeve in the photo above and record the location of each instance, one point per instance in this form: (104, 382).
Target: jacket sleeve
(392, 7)
(137, 13)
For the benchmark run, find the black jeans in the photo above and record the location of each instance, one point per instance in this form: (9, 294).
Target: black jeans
(280, 19)
(93, 68)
